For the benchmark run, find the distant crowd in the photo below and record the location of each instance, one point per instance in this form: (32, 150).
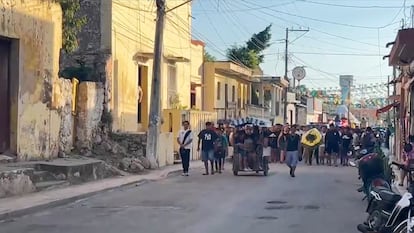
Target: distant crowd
(281, 143)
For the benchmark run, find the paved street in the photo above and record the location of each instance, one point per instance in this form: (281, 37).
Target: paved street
(319, 200)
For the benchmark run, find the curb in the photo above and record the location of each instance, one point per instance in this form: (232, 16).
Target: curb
(30, 210)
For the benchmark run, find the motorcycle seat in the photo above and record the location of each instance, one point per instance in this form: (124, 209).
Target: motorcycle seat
(389, 196)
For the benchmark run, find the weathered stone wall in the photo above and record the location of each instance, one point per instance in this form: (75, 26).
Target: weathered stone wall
(89, 112)
(125, 151)
(16, 182)
(67, 120)
(134, 143)
(93, 93)
(35, 29)
(91, 51)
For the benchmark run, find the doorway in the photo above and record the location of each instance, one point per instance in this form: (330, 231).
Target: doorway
(142, 110)
(5, 110)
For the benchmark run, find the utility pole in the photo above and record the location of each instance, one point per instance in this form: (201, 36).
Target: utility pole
(394, 113)
(155, 104)
(349, 103)
(388, 100)
(286, 66)
(286, 52)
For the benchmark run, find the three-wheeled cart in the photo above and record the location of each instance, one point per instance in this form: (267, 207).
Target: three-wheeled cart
(261, 165)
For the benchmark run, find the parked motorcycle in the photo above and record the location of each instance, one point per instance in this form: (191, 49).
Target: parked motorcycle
(389, 212)
(371, 172)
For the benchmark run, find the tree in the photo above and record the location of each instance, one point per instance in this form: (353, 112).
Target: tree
(208, 56)
(243, 55)
(250, 54)
(260, 42)
(72, 24)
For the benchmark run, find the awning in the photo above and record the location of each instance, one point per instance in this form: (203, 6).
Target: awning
(387, 108)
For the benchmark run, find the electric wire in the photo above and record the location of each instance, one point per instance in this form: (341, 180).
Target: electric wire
(319, 20)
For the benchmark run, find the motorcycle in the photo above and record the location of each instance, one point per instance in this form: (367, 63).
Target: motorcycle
(371, 171)
(389, 212)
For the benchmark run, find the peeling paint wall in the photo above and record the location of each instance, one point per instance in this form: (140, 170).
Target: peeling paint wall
(36, 27)
(89, 111)
(133, 32)
(93, 97)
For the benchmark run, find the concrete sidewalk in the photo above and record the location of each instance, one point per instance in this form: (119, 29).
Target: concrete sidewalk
(23, 205)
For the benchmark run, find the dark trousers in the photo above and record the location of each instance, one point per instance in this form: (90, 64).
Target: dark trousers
(185, 159)
(316, 155)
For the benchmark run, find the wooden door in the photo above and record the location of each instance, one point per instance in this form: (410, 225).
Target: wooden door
(4, 96)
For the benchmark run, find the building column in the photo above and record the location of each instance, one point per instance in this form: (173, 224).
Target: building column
(261, 94)
(273, 103)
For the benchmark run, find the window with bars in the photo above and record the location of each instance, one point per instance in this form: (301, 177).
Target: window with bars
(218, 90)
(171, 84)
(233, 94)
(172, 78)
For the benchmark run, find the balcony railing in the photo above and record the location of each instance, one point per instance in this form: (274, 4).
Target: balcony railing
(230, 113)
(257, 111)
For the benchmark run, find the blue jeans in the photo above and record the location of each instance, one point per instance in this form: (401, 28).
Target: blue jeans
(292, 158)
(207, 155)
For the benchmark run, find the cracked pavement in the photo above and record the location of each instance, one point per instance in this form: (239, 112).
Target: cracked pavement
(319, 200)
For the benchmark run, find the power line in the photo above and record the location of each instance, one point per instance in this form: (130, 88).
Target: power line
(209, 43)
(247, 9)
(257, 43)
(350, 6)
(314, 29)
(319, 20)
(333, 54)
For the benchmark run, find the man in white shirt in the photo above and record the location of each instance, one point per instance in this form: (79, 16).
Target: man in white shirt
(185, 140)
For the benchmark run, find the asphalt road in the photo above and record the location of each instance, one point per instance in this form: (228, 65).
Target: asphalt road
(319, 200)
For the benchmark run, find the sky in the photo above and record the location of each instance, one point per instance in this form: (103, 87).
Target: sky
(345, 37)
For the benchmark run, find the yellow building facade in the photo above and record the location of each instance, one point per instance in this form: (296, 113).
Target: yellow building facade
(31, 94)
(133, 31)
(226, 88)
(196, 63)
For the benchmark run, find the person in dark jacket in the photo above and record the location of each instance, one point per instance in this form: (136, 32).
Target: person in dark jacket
(293, 146)
(332, 141)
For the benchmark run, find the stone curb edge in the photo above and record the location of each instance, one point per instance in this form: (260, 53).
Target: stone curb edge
(30, 210)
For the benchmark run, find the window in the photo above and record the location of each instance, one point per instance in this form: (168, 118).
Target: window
(172, 85)
(172, 78)
(218, 90)
(233, 93)
(277, 108)
(226, 93)
(193, 97)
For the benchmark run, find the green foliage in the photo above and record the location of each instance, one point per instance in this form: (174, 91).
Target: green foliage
(72, 24)
(242, 54)
(208, 57)
(250, 54)
(260, 42)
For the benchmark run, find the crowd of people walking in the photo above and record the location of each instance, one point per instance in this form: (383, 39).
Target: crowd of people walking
(282, 143)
